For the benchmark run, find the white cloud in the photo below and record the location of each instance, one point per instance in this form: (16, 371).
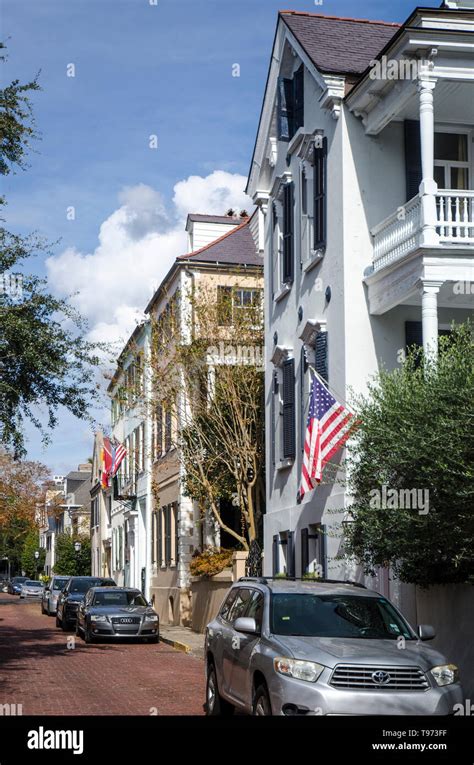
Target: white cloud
(137, 245)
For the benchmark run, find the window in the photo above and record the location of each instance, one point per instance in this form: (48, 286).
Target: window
(451, 160)
(228, 602)
(168, 419)
(231, 299)
(240, 604)
(320, 194)
(290, 105)
(321, 355)
(288, 231)
(224, 306)
(288, 406)
(158, 431)
(255, 609)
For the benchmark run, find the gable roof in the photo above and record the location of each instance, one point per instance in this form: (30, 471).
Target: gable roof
(337, 44)
(236, 247)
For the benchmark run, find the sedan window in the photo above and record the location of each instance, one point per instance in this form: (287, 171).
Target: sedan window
(119, 599)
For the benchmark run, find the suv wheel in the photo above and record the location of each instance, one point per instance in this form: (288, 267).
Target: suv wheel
(261, 703)
(58, 621)
(215, 705)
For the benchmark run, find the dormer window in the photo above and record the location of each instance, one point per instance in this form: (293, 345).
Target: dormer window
(290, 105)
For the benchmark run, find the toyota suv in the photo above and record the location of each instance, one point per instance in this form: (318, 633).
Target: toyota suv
(288, 647)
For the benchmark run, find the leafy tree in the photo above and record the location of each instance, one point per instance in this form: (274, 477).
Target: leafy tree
(417, 432)
(30, 565)
(68, 561)
(22, 492)
(45, 360)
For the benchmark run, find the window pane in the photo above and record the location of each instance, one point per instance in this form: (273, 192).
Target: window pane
(240, 604)
(450, 146)
(459, 178)
(439, 176)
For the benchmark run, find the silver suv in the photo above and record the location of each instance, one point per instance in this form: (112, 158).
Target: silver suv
(288, 647)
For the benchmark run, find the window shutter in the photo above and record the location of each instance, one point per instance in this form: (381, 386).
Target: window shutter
(288, 216)
(159, 547)
(168, 428)
(290, 555)
(321, 355)
(285, 109)
(303, 395)
(289, 409)
(320, 194)
(324, 556)
(298, 89)
(168, 535)
(304, 551)
(224, 306)
(159, 431)
(176, 533)
(275, 555)
(413, 172)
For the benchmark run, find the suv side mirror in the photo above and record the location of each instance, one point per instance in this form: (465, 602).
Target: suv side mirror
(246, 624)
(426, 632)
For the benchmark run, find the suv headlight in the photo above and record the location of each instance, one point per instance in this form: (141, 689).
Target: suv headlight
(297, 668)
(151, 617)
(98, 618)
(445, 674)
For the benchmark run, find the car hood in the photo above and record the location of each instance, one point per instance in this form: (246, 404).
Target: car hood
(333, 651)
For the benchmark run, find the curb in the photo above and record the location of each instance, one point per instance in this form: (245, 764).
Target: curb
(176, 644)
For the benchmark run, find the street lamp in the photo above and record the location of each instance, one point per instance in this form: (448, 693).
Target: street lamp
(77, 549)
(36, 559)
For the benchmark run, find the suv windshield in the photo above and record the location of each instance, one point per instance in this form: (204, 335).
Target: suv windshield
(119, 599)
(82, 585)
(59, 584)
(338, 616)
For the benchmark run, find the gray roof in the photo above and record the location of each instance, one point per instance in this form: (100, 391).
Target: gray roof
(236, 247)
(336, 44)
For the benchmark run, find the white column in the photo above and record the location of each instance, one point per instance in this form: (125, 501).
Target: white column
(429, 317)
(428, 186)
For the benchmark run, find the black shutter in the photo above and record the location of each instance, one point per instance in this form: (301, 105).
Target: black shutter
(298, 90)
(168, 535)
(320, 194)
(289, 447)
(324, 555)
(159, 555)
(159, 431)
(285, 109)
(288, 216)
(413, 172)
(290, 555)
(224, 306)
(275, 555)
(321, 355)
(304, 552)
(176, 533)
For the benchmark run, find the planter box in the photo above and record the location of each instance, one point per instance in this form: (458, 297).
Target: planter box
(207, 594)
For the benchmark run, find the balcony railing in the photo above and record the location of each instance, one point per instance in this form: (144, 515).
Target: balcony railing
(399, 234)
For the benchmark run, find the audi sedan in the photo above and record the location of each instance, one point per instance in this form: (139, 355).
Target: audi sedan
(116, 612)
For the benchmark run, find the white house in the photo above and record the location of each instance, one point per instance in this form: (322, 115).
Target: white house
(130, 502)
(363, 175)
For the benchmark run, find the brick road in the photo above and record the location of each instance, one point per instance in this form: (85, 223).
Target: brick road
(38, 671)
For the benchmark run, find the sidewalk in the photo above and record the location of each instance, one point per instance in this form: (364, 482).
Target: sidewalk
(183, 639)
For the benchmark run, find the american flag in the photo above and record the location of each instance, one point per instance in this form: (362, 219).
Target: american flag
(112, 455)
(118, 453)
(328, 428)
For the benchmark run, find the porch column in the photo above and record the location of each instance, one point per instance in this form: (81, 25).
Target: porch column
(428, 186)
(429, 317)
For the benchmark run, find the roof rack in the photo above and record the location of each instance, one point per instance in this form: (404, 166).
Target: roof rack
(266, 579)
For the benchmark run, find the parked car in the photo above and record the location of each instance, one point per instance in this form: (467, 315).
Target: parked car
(116, 612)
(280, 647)
(31, 588)
(51, 592)
(3, 585)
(71, 596)
(15, 584)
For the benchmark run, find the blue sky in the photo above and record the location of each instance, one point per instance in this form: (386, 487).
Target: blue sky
(140, 70)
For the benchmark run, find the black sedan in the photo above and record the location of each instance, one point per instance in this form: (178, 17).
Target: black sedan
(116, 612)
(73, 593)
